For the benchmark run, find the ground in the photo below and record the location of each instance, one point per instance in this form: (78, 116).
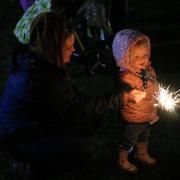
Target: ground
(162, 25)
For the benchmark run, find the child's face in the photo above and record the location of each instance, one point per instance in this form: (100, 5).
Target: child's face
(139, 56)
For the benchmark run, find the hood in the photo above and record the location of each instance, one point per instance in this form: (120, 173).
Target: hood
(123, 41)
(23, 59)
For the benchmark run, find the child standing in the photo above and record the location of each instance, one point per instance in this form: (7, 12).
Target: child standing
(131, 50)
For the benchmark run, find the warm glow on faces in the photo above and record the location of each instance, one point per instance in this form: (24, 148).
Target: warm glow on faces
(68, 48)
(139, 56)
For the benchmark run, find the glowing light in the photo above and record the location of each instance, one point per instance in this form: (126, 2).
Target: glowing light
(167, 100)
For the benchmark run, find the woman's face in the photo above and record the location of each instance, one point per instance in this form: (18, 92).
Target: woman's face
(140, 56)
(68, 48)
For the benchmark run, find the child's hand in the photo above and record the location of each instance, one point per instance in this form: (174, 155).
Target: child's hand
(137, 95)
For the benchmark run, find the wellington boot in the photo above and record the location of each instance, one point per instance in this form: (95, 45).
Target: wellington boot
(142, 154)
(124, 163)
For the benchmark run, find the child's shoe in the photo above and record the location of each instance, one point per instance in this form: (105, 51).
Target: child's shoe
(124, 163)
(143, 156)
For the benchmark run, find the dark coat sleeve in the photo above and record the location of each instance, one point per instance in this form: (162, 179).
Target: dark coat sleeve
(57, 95)
(101, 104)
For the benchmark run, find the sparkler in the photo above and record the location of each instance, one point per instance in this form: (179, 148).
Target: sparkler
(166, 99)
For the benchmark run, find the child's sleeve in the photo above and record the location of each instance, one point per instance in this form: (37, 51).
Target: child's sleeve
(127, 83)
(153, 74)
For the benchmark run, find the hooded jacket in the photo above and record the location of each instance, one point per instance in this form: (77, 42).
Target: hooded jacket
(132, 78)
(39, 99)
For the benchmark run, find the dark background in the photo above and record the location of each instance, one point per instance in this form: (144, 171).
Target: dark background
(158, 19)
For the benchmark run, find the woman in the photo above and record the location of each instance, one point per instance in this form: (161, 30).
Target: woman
(43, 119)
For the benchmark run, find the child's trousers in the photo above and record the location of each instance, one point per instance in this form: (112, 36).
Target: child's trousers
(135, 133)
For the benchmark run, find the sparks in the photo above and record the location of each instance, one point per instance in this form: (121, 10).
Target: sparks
(167, 100)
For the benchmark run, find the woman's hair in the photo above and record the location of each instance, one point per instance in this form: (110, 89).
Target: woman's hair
(48, 34)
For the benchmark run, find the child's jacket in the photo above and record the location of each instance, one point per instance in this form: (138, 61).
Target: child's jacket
(144, 111)
(132, 78)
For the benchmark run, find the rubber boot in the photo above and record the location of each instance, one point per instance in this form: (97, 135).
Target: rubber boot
(142, 154)
(124, 163)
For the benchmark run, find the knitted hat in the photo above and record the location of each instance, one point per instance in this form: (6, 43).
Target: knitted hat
(123, 41)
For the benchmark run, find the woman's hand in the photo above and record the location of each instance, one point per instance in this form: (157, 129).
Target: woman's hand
(137, 95)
